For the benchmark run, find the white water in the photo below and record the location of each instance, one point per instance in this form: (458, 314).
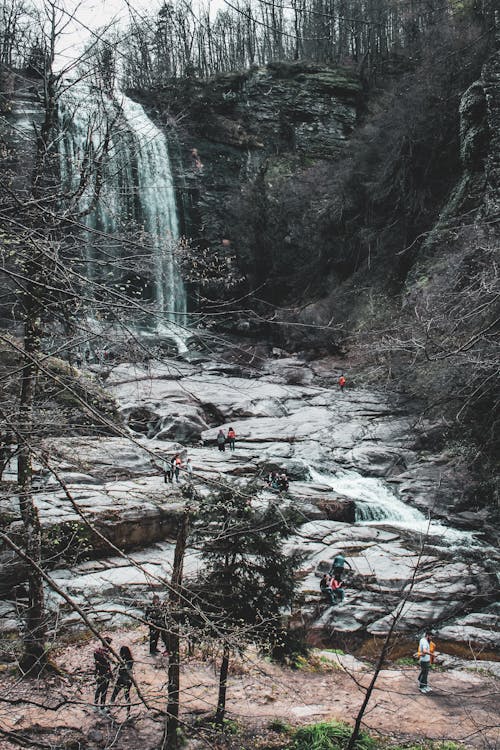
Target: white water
(136, 202)
(377, 504)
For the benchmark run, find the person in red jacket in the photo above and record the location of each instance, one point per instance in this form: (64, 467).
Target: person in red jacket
(231, 438)
(342, 382)
(337, 587)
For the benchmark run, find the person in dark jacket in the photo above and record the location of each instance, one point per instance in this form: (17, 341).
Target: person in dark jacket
(221, 440)
(155, 617)
(103, 674)
(124, 678)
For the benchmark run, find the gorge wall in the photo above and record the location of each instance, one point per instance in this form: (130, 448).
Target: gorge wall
(372, 216)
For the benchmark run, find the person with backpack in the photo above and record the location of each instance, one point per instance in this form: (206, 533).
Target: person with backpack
(176, 466)
(221, 441)
(425, 654)
(124, 678)
(103, 674)
(231, 438)
(338, 564)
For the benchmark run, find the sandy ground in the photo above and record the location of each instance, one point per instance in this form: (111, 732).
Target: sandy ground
(463, 706)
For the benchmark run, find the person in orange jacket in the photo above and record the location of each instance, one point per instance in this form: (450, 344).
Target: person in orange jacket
(342, 382)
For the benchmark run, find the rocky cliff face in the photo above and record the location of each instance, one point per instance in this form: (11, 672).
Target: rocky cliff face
(263, 124)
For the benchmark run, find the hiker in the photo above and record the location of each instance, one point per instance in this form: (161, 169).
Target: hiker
(124, 678)
(167, 470)
(425, 653)
(103, 674)
(189, 470)
(342, 382)
(176, 465)
(325, 588)
(337, 587)
(283, 482)
(338, 563)
(231, 438)
(273, 480)
(155, 617)
(221, 440)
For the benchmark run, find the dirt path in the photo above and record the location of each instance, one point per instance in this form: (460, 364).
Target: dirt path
(463, 706)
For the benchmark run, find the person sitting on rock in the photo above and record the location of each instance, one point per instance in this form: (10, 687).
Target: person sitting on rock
(273, 480)
(221, 440)
(337, 587)
(325, 588)
(283, 482)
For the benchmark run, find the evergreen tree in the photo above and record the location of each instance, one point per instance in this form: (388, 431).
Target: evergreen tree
(248, 580)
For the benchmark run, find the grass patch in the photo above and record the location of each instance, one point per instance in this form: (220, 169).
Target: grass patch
(407, 661)
(328, 735)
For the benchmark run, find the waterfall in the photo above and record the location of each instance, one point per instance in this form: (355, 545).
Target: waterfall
(133, 227)
(376, 503)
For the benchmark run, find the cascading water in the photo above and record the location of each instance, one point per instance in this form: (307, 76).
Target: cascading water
(375, 503)
(133, 226)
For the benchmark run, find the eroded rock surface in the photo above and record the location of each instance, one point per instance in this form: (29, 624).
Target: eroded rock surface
(357, 476)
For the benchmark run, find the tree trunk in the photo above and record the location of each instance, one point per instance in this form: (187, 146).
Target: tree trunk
(171, 736)
(221, 702)
(34, 657)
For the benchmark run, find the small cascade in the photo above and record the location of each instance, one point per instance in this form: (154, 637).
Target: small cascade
(377, 504)
(133, 225)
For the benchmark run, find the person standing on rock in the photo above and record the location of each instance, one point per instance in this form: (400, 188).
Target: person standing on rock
(103, 674)
(221, 440)
(124, 678)
(342, 382)
(426, 651)
(167, 471)
(176, 467)
(231, 438)
(338, 564)
(155, 617)
(189, 470)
